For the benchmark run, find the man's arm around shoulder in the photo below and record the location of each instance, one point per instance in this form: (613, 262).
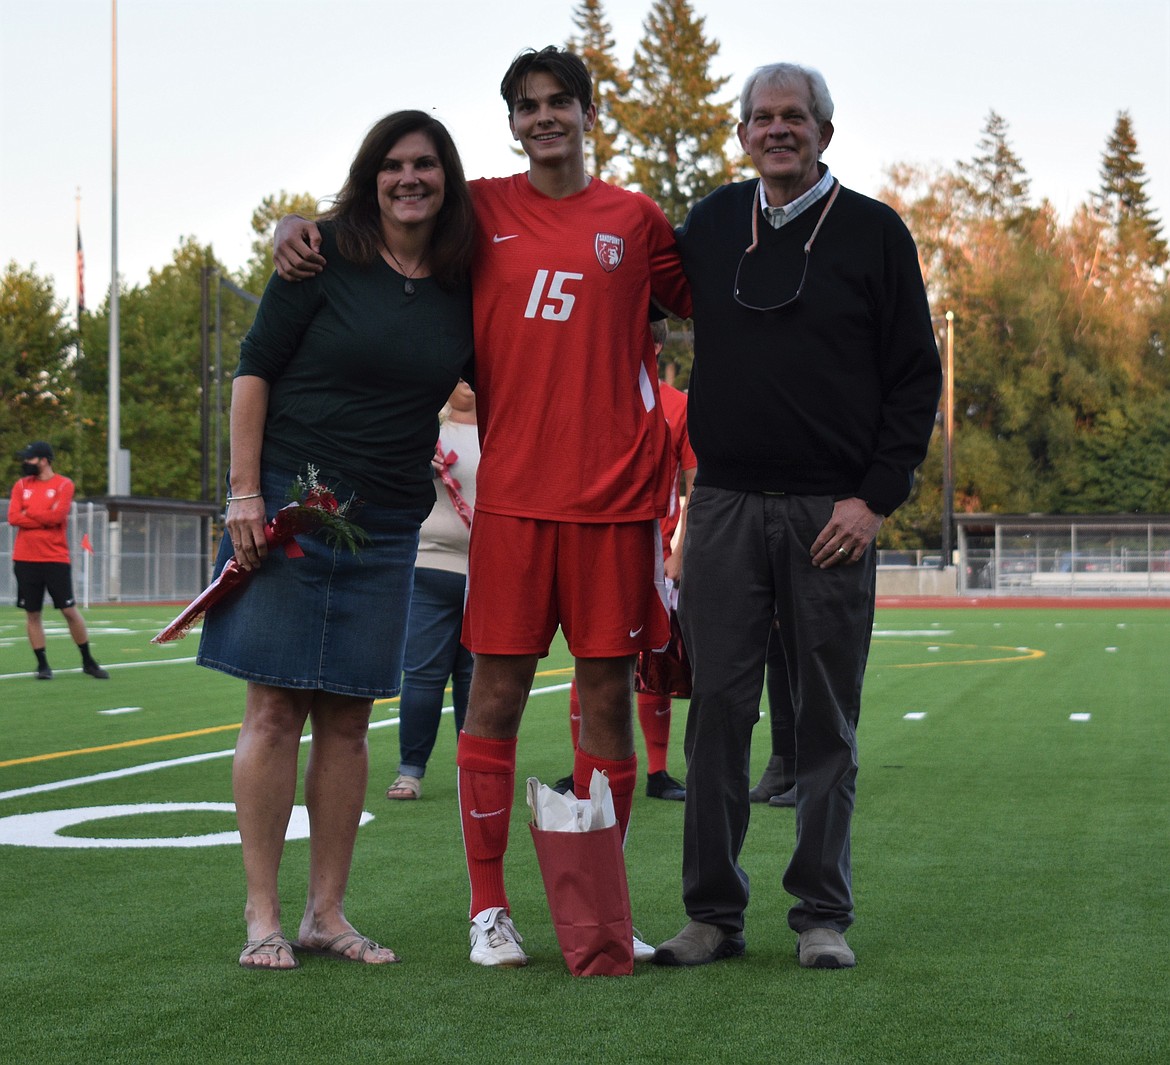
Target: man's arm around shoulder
(296, 248)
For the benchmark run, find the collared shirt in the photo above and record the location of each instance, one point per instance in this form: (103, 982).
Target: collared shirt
(779, 216)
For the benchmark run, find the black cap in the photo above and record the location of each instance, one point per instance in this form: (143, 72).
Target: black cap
(38, 450)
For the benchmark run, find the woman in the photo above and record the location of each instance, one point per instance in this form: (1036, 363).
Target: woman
(342, 376)
(433, 648)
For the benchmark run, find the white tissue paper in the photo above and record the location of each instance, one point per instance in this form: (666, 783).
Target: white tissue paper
(553, 812)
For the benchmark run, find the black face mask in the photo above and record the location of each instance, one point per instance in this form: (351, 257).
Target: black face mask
(29, 469)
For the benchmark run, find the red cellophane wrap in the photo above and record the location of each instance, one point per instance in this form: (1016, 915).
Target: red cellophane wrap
(304, 516)
(665, 672)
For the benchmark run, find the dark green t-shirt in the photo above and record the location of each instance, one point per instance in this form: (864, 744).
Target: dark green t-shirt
(358, 372)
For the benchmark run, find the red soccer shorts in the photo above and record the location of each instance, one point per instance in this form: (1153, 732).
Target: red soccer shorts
(600, 583)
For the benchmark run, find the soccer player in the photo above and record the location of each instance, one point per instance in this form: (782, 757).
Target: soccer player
(572, 477)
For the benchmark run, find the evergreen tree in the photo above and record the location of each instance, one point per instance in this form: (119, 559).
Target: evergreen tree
(994, 184)
(1124, 207)
(611, 85)
(678, 132)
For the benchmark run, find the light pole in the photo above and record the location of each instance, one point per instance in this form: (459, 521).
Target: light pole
(114, 430)
(948, 482)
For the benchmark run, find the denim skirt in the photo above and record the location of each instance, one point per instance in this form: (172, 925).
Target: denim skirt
(331, 620)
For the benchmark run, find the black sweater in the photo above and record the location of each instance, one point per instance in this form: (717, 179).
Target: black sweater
(835, 394)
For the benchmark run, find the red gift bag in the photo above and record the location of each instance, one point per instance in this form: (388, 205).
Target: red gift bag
(584, 877)
(666, 672)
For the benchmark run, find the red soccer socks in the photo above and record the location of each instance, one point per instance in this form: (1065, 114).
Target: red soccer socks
(623, 776)
(487, 781)
(654, 717)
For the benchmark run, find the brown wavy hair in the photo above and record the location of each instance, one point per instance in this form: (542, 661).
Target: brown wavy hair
(356, 216)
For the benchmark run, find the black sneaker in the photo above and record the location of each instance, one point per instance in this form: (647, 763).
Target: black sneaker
(44, 673)
(94, 670)
(564, 786)
(662, 785)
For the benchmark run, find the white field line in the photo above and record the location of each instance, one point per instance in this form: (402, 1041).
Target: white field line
(112, 668)
(153, 767)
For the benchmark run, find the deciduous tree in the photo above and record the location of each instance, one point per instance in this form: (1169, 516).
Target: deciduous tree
(272, 209)
(36, 373)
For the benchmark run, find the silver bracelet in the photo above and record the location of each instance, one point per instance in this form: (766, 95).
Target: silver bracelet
(254, 495)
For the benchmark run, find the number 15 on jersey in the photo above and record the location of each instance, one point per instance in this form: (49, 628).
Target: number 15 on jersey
(553, 302)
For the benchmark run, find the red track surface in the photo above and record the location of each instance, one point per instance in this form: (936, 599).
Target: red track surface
(945, 602)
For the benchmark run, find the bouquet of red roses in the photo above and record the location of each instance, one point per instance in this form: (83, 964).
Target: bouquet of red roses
(314, 507)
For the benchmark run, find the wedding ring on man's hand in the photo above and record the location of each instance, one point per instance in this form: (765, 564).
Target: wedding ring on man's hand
(842, 551)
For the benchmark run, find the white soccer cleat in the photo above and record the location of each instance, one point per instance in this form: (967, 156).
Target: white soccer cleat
(495, 941)
(642, 951)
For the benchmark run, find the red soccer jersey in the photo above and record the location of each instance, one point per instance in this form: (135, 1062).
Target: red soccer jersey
(674, 409)
(40, 511)
(566, 379)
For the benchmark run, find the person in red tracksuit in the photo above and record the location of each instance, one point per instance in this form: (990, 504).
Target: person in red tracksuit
(39, 509)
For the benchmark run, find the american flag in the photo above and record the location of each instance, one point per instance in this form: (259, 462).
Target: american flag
(80, 274)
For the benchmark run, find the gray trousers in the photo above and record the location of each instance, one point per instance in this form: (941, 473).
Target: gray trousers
(747, 559)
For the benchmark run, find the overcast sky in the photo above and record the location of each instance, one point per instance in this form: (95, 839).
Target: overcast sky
(223, 102)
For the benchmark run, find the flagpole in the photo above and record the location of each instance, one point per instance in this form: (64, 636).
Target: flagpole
(114, 434)
(80, 271)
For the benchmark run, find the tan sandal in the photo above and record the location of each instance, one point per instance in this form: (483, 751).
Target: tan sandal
(338, 947)
(271, 946)
(404, 787)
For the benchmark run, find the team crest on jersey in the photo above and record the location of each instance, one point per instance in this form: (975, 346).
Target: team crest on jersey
(609, 250)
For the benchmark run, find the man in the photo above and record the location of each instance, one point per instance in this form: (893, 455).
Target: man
(812, 399)
(571, 479)
(39, 508)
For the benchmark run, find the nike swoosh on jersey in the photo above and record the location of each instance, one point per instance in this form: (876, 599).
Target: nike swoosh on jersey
(497, 239)
(492, 813)
(634, 632)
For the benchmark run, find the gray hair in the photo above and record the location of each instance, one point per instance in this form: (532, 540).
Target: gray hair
(789, 76)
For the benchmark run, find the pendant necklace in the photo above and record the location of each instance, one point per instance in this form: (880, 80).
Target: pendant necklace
(408, 287)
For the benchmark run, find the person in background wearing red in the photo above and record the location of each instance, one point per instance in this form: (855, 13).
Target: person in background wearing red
(39, 508)
(654, 710)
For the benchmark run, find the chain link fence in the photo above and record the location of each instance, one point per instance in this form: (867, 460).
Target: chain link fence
(131, 551)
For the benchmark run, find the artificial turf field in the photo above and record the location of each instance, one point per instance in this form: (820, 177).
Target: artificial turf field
(1011, 853)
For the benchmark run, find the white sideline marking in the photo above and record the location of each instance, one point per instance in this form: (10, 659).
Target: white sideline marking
(915, 715)
(112, 668)
(194, 759)
(1080, 717)
(121, 710)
